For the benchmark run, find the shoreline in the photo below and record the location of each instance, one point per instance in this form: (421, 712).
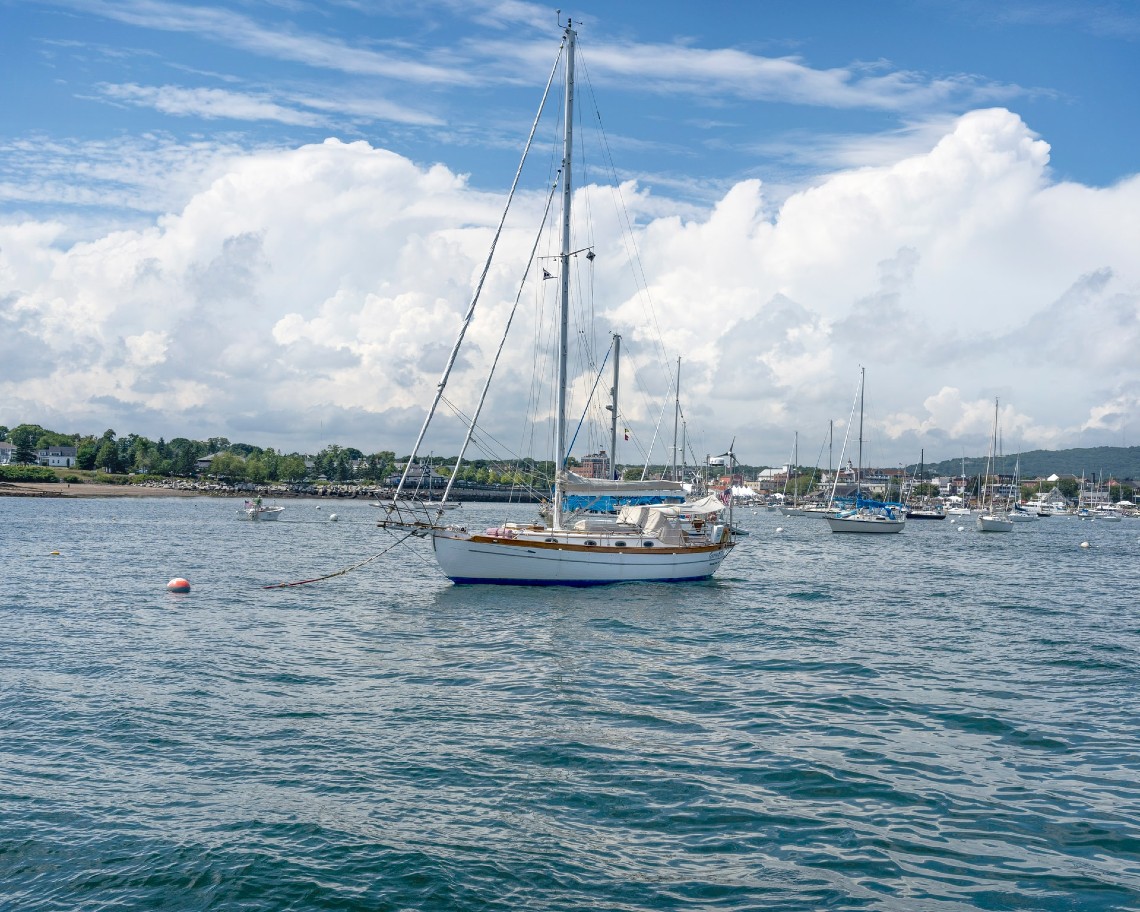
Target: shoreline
(64, 491)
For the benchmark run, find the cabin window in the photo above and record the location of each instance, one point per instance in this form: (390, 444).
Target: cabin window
(647, 544)
(619, 544)
(590, 543)
(552, 540)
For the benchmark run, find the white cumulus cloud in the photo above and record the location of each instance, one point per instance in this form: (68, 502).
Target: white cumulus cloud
(311, 295)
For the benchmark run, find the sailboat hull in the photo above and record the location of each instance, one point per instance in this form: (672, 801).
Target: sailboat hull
(994, 524)
(467, 558)
(871, 525)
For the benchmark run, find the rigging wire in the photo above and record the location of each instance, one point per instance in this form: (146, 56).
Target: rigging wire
(632, 253)
(470, 315)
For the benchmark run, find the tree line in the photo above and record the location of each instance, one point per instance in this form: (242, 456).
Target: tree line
(178, 457)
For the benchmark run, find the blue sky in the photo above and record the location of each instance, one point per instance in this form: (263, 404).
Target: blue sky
(124, 118)
(455, 81)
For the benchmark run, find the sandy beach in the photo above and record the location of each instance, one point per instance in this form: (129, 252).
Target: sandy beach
(62, 489)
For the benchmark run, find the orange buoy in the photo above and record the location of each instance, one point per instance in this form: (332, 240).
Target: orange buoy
(178, 584)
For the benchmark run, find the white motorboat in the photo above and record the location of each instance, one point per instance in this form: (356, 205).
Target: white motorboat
(255, 511)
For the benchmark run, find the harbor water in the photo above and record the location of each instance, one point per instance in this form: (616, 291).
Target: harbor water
(937, 720)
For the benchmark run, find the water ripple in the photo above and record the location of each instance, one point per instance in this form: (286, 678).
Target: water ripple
(901, 725)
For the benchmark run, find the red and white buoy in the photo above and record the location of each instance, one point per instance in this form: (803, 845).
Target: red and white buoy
(178, 584)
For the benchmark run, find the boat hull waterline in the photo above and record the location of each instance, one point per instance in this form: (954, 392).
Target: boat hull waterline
(467, 558)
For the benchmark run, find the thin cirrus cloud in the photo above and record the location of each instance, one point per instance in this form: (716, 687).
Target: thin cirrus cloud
(672, 68)
(214, 104)
(288, 44)
(207, 103)
(652, 67)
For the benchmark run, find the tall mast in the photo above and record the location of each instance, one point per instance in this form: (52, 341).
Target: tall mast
(684, 445)
(676, 418)
(564, 260)
(859, 472)
(614, 409)
(992, 468)
(795, 469)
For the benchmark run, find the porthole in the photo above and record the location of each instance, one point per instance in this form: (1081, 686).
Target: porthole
(551, 540)
(647, 544)
(590, 543)
(619, 544)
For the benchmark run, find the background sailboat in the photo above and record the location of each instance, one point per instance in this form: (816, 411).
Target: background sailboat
(991, 519)
(866, 516)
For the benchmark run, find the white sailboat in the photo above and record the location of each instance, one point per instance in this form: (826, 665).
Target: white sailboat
(794, 509)
(959, 507)
(991, 519)
(866, 516)
(1017, 513)
(660, 543)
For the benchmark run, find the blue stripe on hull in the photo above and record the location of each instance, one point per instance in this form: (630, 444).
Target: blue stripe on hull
(474, 581)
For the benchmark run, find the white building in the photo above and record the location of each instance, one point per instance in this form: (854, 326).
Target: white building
(62, 457)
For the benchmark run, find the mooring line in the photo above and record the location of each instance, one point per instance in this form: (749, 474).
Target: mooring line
(317, 579)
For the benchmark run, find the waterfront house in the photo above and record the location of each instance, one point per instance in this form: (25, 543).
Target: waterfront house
(57, 457)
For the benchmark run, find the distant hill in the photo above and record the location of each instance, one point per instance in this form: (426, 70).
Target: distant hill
(1121, 463)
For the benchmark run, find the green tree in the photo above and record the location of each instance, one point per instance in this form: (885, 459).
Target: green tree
(85, 452)
(272, 462)
(228, 465)
(107, 458)
(293, 468)
(25, 438)
(255, 469)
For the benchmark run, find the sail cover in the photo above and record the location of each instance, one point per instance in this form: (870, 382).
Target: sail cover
(603, 495)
